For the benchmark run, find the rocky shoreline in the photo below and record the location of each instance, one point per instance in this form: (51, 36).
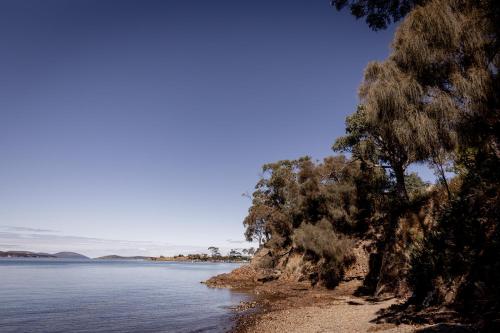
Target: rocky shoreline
(281, 305)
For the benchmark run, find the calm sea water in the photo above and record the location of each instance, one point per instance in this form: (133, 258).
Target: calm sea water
(52, 295)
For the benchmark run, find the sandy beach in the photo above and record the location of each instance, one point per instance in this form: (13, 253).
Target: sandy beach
(347, 314)
(294, 308)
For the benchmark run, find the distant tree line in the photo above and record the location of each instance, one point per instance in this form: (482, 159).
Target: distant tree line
(233, 253)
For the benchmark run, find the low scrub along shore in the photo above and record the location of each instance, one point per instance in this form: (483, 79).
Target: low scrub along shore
(202, 258)
(282, 304)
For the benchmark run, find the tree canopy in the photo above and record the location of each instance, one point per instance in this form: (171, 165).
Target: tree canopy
(378, 14)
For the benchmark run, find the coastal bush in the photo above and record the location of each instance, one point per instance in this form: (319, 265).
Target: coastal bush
(324, 242)
(333, 252)
(311, 207)
(460, 257)
(434, 101)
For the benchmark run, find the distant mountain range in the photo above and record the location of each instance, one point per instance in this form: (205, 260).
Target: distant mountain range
(63, 255)
(28, 254)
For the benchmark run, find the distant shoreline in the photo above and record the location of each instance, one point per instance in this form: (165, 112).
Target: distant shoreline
(73, 255)
(204, 258)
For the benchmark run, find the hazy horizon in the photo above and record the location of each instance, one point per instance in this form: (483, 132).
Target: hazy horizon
(134, 127)
(51, 241)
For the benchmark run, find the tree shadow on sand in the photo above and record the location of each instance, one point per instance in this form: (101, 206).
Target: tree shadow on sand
(441, 320)
(446, 328)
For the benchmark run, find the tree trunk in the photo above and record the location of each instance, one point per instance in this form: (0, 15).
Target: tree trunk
(400, 184)
(442, 174)
(388, 278)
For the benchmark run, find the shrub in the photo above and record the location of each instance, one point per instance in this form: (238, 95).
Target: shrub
(323, 241)
(326, 245)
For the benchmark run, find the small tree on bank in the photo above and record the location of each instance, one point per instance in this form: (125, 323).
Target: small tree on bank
(215, 252)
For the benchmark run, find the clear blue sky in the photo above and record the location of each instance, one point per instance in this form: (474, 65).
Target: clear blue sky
(145, 121)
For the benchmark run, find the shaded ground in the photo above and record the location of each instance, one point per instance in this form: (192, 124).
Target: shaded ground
(281, 304)
(295, 307)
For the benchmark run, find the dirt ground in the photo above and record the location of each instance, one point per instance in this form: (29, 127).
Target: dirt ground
(296, 308)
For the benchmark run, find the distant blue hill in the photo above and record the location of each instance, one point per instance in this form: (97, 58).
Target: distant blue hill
(28, 254)
(70, 255)
(114, 256)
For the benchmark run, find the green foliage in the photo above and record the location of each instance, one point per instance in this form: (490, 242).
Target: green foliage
(308, 207)
(292, 193)
(379, 14)
(272, 201)
(324, 242)
(415, 185)
(392, 127)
